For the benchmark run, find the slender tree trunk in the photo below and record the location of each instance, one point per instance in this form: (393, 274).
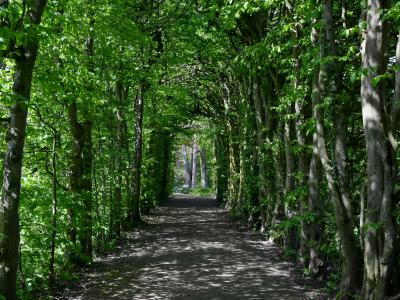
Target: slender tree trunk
(249, 156)
(326, 86)
(334, 84)
(76, 173)
(278, 212)
(221, 155)
(87, 156)
(116, 209)
(269, 186)
(112, 170)
(166, 166)
(233, 154)
(54, 206)
(81, 187)
(134, 207)
(260, 121)
(302, 165)
(81, 174)
(350, 264)
(380, 233)
(290, 238)
(303, 157)
(314, 205)
(204, 175)
(195, 151)
(186, 167)
(121, 95)
(234, 169)
(96, 192)
(12, 163)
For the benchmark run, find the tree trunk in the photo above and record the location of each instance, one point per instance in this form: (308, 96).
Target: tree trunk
(204, 175)
(233, 150)
(166, 166)
(87, 156)
(290, 238)
(302, 166)
(380, 233)
(54, 206)
(81, 187)
(81, 173)
(195, 151)
(303, 157)
(314, 205)
(260, 121)
(326, 86)
(121, 95)
(186, 167)
(221, 155)
(278, 212)
(134, 203)
(314, 229)
(249, 156)
(12, 164)
(350, 264)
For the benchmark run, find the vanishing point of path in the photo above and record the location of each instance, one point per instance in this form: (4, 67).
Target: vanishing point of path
(191, 250)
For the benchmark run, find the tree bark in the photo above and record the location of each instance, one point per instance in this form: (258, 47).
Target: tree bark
(303, 159)
(302, 165)
(221, 155)
(121, 143)
(249, 156)
(314, 229)
(290, 238)
(260, 121)
(134, 203)
(380, 233)
(54, 207)
(12, 164)
(350, 264)
(166, 166)
(314, 205)
(81, 167)
(81, 186)
(233, 188)
(87, 155)
(186, 167)
(278, 213)
(325, 86)
(195, 151)
(204, 175)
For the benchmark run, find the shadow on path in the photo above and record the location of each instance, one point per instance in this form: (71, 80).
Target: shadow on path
(191, 250)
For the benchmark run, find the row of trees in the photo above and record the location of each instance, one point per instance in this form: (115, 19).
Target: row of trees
(93, 112)
(307, 127)
(304, 125)
(187, 162)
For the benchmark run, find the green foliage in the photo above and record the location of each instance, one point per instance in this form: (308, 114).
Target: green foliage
(203, 192)
(238, 76)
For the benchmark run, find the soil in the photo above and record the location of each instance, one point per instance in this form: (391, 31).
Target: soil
(191, 249)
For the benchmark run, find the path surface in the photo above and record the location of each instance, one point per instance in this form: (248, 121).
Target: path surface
(191, 250)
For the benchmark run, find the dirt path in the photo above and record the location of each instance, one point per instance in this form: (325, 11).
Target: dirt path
(191, 251)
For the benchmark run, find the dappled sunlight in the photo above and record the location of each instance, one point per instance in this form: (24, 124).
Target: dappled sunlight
(191, 252)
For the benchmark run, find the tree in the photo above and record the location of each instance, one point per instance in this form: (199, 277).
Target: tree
(380, 119)
(203, 162)
(24, 54)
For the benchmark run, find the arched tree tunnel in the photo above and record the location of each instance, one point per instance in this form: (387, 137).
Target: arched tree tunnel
(173, 149)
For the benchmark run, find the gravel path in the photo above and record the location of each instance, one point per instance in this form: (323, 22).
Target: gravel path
(191, 250)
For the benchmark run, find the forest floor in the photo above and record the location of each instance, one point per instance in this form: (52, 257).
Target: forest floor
(191, 249)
